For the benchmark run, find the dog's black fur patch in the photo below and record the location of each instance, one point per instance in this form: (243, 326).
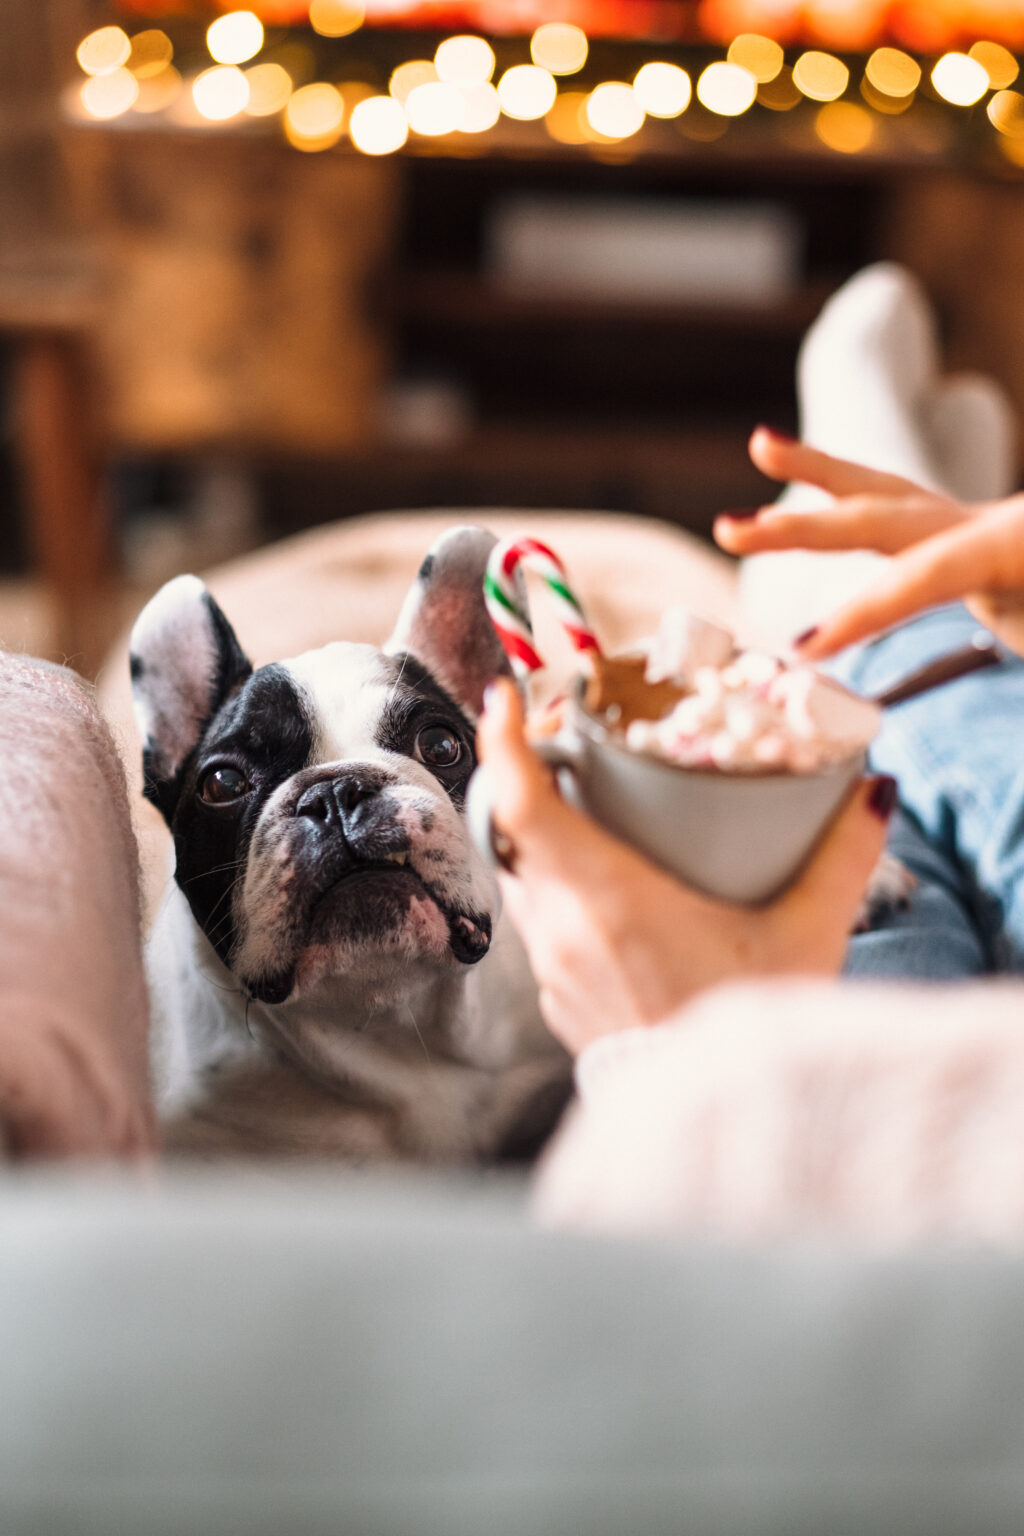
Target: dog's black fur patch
(161, 784)
(265, 731)
(418, 700)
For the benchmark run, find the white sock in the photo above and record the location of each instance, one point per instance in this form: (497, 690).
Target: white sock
(972, 432)
(867, 368)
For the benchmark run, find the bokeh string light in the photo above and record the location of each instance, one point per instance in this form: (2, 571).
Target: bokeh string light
(254, 67)
(235, 38)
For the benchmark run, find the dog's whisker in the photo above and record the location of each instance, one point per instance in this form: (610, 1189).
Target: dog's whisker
(393, 691)
(419, 1035)
(215, 924)
(215, 869)
(220, 985)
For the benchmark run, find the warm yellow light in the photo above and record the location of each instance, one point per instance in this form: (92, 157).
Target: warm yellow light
(407, 77)
(336, 18)
(235, 37)
(821, 76)
(997, 62)
(559, 47)
(761, 55)
(270, 87)
(889, 106)
(378, 126)
(1006, 112)
(434, 108)
(220, 93)
(314, 118)
(614, 110)
(104, 51)
(106, 96)
(158, 92)
(663, 90)
(151, 53)
(845, 126)
(726, 89)
(464, 61)
(960, 79)
(566, 121)
(893, 72)
(526, 92)
(481, 108)
(780, 94)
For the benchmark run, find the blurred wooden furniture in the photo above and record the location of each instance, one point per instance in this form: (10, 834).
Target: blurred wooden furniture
(57, 447)
(49, 307)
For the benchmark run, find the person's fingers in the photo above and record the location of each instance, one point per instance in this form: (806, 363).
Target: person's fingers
(549, 721)
(972, 557)
(520, 783)
(835, 879)
(549, 839)
(886, 524)
(1003, 614)
(783, 458)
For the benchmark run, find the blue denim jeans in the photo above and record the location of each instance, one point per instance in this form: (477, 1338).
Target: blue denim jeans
(958, 754)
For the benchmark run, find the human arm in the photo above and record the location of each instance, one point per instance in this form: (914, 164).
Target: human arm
(942, 549)
(617, 943)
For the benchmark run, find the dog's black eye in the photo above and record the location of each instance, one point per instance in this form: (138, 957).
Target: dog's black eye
(438, 747)
(223, 785)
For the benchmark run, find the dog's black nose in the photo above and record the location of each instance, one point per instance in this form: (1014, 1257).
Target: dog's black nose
(331, 800)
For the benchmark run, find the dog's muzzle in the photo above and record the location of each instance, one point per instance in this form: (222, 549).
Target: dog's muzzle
(347, 836)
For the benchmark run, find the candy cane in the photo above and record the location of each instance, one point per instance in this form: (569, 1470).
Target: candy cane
(507, 609)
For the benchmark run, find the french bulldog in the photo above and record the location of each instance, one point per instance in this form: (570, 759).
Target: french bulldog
(329, 971)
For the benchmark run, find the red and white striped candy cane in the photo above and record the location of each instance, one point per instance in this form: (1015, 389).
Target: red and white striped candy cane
(508, 613)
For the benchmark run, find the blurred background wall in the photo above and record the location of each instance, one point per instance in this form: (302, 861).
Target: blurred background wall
(255, 284)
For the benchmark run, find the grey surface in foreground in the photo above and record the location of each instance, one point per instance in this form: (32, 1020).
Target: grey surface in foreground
(342, 1353)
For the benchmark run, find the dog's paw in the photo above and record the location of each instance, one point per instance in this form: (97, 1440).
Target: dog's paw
(890, 889)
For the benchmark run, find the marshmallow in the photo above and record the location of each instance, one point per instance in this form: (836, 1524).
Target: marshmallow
(747, 712)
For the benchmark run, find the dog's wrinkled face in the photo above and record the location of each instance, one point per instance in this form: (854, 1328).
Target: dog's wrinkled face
(315, 804)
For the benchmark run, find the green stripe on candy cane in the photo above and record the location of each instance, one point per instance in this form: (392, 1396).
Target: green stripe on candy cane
(496, 595)
(509, 615)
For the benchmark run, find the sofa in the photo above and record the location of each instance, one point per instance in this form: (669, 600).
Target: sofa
(320, 1349)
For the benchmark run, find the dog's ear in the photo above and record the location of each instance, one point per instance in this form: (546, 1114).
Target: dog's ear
(444, 621)
(185, 661)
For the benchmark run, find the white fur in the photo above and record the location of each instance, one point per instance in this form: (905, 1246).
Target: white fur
(180, 660)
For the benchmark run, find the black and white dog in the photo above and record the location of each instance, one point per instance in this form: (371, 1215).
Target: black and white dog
(328, 971)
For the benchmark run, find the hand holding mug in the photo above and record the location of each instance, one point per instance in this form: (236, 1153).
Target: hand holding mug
(616, 942)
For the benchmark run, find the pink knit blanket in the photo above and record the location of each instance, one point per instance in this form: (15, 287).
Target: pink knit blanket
(73, 1012)
(784, 1108)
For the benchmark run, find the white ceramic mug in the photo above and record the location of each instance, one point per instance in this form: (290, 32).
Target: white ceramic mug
(742, 837)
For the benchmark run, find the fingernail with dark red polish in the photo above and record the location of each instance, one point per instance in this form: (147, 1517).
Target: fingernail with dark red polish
(739, 514)
(807, 636)
(884, 795)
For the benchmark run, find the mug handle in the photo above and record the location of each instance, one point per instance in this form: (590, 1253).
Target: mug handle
(562, 753)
